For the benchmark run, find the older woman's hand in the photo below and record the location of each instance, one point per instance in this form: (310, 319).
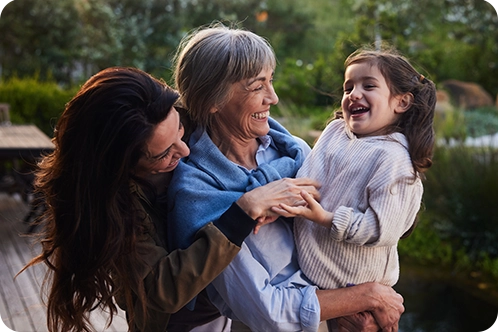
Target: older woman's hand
(362, 321)
(258, 202)
(388, 309)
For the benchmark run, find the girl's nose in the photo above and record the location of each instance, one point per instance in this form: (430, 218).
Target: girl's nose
(355, 94)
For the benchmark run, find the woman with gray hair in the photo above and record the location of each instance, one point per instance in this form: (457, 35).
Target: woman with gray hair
(224, 77)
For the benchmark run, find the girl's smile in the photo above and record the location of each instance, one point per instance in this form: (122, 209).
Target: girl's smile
(369, 109)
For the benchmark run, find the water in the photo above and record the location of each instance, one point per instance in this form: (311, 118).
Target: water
(435, 302)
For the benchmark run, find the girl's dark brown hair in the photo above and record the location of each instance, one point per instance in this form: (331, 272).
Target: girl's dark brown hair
(417, 122)
(90, 225)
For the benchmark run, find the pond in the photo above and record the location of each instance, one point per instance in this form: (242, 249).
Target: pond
(436, 302)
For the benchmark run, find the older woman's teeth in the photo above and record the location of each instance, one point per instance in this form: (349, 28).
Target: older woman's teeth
(262, 115)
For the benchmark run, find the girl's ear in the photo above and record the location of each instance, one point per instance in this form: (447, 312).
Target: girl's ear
(404, 103)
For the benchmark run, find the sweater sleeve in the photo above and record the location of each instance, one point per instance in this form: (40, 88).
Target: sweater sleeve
(394, 196)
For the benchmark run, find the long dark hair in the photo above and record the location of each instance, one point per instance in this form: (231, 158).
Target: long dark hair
(417, 122)
(90, 224)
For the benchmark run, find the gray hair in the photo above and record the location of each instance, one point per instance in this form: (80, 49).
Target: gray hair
(209, 60)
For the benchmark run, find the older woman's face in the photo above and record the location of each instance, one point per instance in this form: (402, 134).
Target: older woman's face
(165, 147)
(246, 114)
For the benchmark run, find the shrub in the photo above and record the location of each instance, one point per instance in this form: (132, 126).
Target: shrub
(461, 192)
(33, 101)
(482, 121)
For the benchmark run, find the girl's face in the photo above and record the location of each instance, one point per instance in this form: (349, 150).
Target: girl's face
(367, 103)
(164, 148)
(245, 116)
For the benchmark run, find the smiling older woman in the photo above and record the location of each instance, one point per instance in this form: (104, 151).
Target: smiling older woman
(225, 78)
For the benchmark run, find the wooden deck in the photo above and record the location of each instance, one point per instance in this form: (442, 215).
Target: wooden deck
(21, 308)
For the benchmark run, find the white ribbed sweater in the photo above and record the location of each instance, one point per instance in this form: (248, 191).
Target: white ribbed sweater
(369, 184)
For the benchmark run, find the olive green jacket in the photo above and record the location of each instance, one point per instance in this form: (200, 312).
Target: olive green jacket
(172, 279)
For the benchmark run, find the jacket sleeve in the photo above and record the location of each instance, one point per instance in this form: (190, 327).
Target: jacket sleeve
(173, 279)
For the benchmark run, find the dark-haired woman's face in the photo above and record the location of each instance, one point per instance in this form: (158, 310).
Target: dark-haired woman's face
(164, 148)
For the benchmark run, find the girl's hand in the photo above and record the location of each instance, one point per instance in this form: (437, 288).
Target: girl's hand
(311, 210)
(263, 221)
(258, 202)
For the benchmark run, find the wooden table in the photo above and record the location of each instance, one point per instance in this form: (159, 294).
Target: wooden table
(23, 141)
(20, 147)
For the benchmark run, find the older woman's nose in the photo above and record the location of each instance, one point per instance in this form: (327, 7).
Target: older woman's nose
(272, 98)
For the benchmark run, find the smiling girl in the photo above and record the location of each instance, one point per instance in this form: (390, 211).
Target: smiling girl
(370, 160)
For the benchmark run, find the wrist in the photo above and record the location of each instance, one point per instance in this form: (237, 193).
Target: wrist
(369, 292)
(247, 205)
(327, 219)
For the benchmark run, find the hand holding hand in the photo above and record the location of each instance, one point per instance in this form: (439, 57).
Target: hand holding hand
(311, 210)
(258, 202)
(389, 308)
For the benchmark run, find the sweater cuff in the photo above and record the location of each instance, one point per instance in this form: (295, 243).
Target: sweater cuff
(235, 224)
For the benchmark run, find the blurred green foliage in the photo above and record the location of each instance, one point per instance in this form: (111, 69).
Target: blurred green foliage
(458, 226)
(73, 39)
(35, 101)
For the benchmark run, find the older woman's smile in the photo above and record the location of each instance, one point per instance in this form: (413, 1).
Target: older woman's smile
(261, 115)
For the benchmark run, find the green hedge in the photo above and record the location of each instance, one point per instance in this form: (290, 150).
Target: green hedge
(36, 102)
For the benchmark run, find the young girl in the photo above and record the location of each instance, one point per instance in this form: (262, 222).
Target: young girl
(370, 161)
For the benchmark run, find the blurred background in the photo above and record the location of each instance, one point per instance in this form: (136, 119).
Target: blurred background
(449, 273)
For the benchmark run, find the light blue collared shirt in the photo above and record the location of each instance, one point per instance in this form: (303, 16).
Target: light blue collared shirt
(264, 287)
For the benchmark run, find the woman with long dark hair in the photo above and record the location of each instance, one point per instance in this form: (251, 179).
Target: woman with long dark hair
(116, 144)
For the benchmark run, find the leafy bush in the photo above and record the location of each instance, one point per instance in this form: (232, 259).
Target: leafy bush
(33, 101)
(458, 227)
(450, 125)
(482, 121)
(461, 192)
(425, 245)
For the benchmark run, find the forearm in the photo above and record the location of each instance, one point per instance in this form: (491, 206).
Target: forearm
(343, 302)
(385, 304)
